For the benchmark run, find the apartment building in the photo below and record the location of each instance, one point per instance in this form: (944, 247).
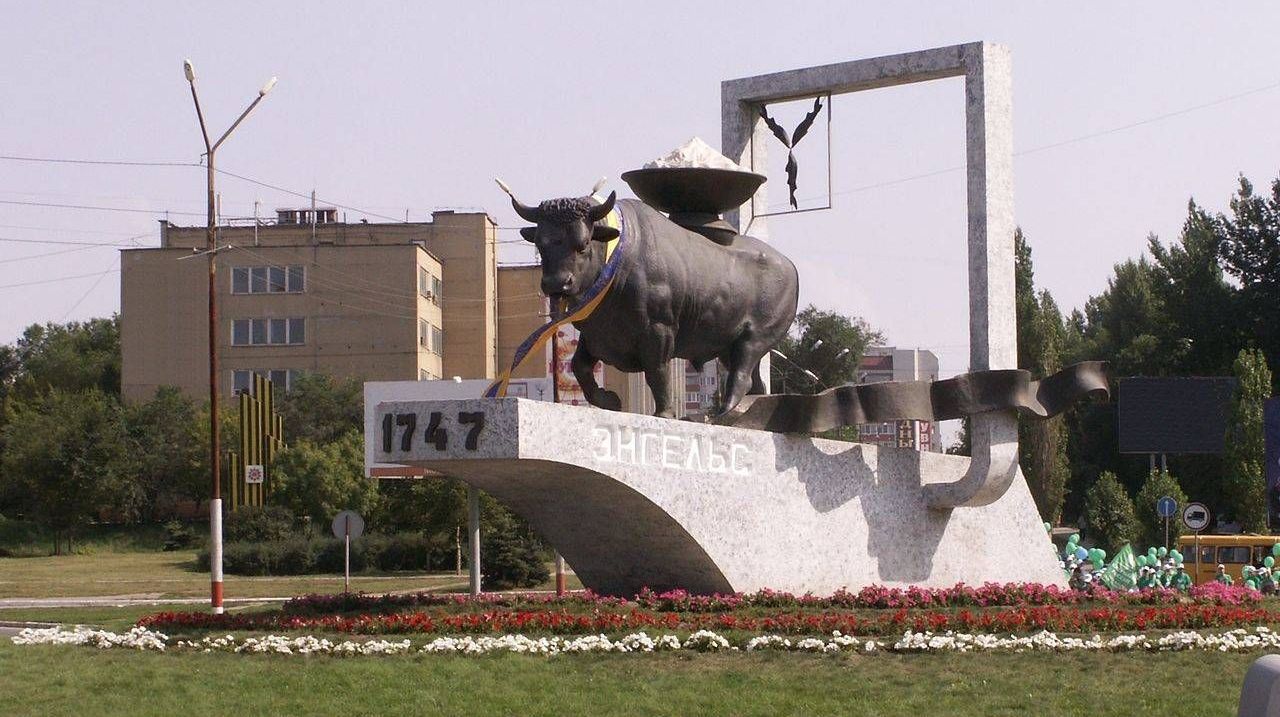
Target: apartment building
(307, 292)
(888, 363)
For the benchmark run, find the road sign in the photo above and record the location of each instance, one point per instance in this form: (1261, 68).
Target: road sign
(1166, 507)
(1195, 516)
(348, 522)
(254, 474)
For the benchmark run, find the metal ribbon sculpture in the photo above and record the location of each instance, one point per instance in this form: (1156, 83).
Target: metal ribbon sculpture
(964, 395)
(801, 130)
(615, 250)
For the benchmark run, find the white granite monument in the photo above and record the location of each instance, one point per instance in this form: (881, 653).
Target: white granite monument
(636, 501)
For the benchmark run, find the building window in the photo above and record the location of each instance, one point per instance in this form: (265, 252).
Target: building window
(268, 332)
(240, 280)
(278, 331)
(297, 331)
(430, 337)
(281, 379)
(240, 332)
(242, 381)
(275, 275)
(429, 285)
(269, 279)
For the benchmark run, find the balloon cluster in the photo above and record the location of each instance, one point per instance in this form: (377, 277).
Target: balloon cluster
(1162, 568)
(1074, 558)
(1263, 579)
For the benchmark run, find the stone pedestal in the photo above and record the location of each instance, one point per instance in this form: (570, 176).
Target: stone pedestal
(636, 501)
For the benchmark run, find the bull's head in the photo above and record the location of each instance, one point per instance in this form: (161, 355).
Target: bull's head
(569, 240)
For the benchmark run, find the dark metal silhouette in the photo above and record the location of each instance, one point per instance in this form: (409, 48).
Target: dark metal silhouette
(801, 130)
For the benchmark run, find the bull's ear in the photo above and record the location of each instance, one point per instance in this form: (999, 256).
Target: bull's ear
(604, 233)
(530, 234)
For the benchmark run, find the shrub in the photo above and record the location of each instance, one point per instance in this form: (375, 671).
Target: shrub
(329, 555)
(178, 535)
(410, 551)
(295, 556)
(300, 555)
(1158, 484)
(1110, 513)
(258, 524)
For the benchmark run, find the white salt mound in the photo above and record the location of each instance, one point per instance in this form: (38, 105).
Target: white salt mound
(695, 153)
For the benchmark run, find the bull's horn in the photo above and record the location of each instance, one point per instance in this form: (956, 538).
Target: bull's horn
(600, 211)
(526, 212)
(599, 186)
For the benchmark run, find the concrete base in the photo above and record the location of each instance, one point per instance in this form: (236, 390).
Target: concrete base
(635, 501)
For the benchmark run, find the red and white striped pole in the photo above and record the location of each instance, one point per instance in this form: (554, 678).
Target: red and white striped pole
(215, 555)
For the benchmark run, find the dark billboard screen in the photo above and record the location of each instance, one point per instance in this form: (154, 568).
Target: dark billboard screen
(1174, 415)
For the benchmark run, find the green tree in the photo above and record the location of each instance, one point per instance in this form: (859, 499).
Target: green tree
(1042, 444)
(62, 458)
(168, 454)
(1246, 483)
(318, 480)
(321, 409)
(825, 343)
(436, 506)
(511, 556)
(1109, 512)
(1249, 249)
(1201, 310)
(69, 357)
(1157, 485)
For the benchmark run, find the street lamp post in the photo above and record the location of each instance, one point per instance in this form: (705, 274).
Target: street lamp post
(211, 248)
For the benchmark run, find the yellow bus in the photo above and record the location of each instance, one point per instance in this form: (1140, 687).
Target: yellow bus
(1202, 554)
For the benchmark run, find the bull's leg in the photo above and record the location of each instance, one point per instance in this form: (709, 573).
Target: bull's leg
(757, 383)
(583, 365)
(655, 355)
(656, 377)
(743, 367)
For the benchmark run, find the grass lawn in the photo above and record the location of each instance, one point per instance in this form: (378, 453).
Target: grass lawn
(117, 618)
(167, 575)
(78, 681)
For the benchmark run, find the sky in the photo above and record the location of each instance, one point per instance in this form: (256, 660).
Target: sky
(1122, 113)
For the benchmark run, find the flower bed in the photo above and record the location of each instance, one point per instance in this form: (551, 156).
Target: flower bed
(140, 638)
(874, 597)
(871, 623)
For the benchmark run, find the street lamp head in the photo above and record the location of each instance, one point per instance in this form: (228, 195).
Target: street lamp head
(817, 344)
(267, 87)
(843, 352)
(189, 70)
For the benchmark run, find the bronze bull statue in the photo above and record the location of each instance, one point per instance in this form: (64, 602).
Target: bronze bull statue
(675, 294)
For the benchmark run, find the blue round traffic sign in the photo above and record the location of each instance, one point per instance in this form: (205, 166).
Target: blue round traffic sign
(1166, 507)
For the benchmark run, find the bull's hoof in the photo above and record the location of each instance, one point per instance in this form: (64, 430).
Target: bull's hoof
(608, 400)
